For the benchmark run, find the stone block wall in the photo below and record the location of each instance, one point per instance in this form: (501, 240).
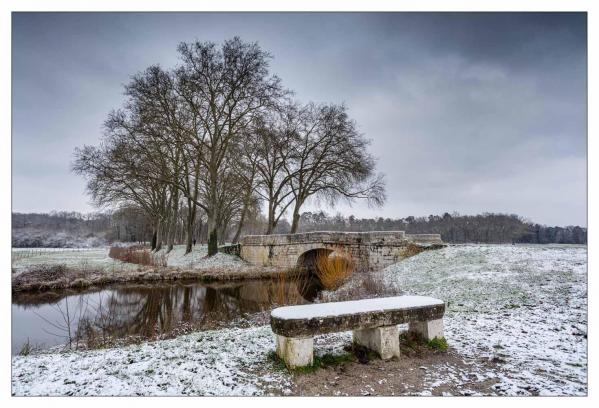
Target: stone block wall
(370, 250)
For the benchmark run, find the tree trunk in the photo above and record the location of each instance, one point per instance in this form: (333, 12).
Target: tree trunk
(191, 216)
(168, 230)
(212, 240)
(240, 225)
(271, 218)
(153, 240)
(173, 228)
(296, 218)
(159, 228)
(223, 232)
(213, 212)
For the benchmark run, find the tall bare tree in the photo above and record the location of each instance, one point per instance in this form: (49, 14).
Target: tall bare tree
(224, 88)
(330, 160)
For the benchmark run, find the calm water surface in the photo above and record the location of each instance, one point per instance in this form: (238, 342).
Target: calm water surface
(144, 310)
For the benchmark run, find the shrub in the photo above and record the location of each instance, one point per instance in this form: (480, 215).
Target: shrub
(439, 343)
(411, 250)
(137, 255)
(333, 269)
(44, 273)
(26, 348)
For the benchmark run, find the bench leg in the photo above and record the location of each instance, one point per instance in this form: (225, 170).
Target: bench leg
(295, 351)
(383, 340)
(429, 330)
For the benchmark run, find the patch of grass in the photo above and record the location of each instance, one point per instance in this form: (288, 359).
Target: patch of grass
(323, 361)
(511, 306)
(278, 363)
(25, 348)
(412, 342)
(438, 343)
(335, 359)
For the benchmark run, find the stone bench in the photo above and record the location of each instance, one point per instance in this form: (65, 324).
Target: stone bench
(373, 321)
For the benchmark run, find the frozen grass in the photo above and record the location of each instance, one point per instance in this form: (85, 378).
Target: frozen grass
(524, 307)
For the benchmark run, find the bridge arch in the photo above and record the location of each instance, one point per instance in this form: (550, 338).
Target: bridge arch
(307, 259)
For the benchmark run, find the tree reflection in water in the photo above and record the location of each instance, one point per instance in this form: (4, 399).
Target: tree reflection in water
(149, 311)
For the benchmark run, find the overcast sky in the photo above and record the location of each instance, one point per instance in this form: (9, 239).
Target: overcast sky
(467, 112)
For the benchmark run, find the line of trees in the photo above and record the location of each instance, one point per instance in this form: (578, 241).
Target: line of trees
(218, 137)
(454, 228)
(130, 224)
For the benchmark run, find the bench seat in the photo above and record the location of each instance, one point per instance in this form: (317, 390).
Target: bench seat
(373, 321)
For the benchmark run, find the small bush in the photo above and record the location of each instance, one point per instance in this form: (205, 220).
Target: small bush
(137, 255)
(411, 250)
(333, 270)
(438, 343)
(46, 274)
(25, 348)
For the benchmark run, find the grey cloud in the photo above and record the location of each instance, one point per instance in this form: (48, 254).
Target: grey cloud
(467, 112)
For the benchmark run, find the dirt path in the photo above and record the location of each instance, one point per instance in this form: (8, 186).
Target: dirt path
(422, 373)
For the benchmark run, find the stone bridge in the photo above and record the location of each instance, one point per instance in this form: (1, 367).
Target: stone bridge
(370, 251)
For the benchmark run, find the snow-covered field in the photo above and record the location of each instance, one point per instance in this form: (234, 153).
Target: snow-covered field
(83, 258)
(98, 259)
(524, 306)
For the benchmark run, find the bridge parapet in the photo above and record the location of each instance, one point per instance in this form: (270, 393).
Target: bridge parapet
(425, 238)
(327, 237)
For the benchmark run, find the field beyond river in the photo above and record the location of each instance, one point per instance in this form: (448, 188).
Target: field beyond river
(515, 323)
(43, 269)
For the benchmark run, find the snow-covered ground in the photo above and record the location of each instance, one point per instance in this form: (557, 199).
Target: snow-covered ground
(524, 306)
(223, 362)
(83, 258)
(97, 258)
(198, 258)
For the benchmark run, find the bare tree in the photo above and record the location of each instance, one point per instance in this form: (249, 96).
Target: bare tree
(330, 160)
(224, 88)
(215, 137)
(272, 140)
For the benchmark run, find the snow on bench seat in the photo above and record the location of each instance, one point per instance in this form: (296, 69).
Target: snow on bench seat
(314, 319)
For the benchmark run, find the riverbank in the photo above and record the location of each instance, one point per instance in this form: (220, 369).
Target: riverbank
(51, 269)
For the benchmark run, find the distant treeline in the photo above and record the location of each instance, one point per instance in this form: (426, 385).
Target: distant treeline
(130, 224)
(66, 221)
(454, 228)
